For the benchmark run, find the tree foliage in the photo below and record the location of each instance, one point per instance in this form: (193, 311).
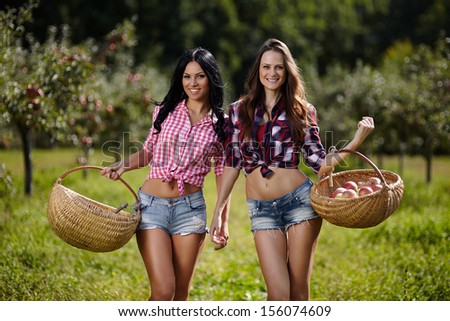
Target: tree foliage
(66, 90)
(39, 81)
(320, 33)
(408, 98)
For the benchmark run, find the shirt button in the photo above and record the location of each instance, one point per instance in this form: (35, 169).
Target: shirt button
(274, 203)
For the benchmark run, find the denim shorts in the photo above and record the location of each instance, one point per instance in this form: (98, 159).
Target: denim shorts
(181, 215)
(283, 212)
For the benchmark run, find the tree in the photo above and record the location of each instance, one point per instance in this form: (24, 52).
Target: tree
(423, 106)
(40, 81)
(320, 33)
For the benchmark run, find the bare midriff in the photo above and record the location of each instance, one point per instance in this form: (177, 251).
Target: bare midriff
(279, 183)
(159, 188)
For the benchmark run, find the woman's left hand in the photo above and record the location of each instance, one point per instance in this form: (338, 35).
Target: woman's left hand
(365, 126)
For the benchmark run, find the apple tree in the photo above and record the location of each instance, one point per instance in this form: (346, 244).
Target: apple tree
(422, 109)
(40, 81)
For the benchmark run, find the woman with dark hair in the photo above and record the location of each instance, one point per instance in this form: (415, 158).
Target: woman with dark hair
(268, 128)
(186, 137)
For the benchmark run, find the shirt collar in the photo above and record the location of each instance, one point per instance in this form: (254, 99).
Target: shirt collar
(209, 117)
(277, 108)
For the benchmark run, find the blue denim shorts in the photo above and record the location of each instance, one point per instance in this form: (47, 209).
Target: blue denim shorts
(283, 212)
(181, 215)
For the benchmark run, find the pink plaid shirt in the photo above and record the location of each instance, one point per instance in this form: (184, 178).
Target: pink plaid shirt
(183, 151)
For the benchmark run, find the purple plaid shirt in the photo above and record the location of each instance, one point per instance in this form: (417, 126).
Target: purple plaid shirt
(271, 143)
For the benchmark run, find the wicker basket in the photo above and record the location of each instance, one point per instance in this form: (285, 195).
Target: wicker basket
(88, 224)
(361, 212)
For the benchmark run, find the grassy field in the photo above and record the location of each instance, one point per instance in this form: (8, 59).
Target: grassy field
(404, 258)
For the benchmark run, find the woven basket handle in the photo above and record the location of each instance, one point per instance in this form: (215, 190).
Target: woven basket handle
(364, 158)
(59, 180)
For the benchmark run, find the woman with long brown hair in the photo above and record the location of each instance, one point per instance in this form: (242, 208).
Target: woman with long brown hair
(268, 128)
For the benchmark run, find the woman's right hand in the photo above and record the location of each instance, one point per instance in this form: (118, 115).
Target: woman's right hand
(219, 224)
(113, 171)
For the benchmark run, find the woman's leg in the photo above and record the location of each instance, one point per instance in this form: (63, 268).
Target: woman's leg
(186, 251)
(155, 246)
(272, 253)
(302, 241)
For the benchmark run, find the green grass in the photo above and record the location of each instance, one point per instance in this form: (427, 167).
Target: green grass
(404, 258)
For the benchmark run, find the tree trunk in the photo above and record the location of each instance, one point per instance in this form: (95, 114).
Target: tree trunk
(429, 159)
(380, 159)
(25, 134)
(401, 160)
(401, 163)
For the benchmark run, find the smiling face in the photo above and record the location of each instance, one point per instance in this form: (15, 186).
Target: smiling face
(195, 82)
(272, 72)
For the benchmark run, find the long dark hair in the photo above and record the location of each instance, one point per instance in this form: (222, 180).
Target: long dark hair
(176, 92)
(293, 90)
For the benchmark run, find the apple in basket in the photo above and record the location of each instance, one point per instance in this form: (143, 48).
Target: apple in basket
(349, 193)
(362, 183)
(374, 180)
(365, 190)
(350, 185)
(338, 191)
(376, 187)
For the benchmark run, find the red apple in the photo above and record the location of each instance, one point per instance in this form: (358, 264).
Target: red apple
(338, 196)
(350, 185)
(374, 180)
(33, 94)
(361, 184)
(376, 187)
(365, 190)
(338, 190)
(349, 193)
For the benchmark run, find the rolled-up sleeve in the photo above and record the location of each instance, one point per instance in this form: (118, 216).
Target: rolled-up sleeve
(313, 151)
(152, 138)
(233, 155)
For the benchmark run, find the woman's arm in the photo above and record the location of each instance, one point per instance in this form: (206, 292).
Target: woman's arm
(136, 160)
(219, 223)
(365, 127)
(224, 215)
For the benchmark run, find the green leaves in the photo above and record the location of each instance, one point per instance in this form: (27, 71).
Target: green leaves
(406, 96)
(40, 80)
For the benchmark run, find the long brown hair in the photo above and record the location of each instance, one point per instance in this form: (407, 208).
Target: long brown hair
(293, 91)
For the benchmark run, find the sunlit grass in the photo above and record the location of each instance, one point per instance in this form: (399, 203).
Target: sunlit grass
(404, 258)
